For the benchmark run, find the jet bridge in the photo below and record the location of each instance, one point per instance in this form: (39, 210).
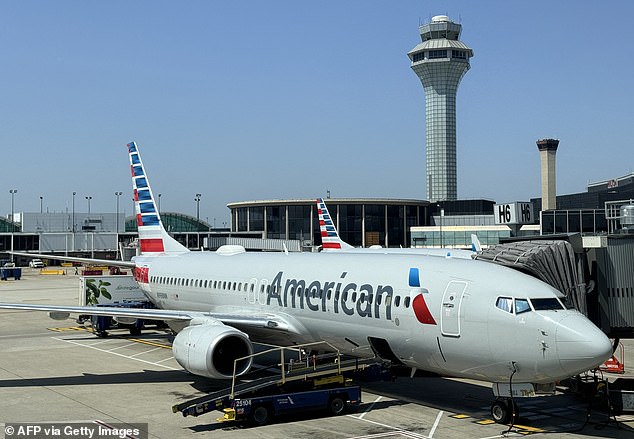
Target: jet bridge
(596, 274)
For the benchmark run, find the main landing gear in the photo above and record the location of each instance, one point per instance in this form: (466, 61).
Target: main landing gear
(504, 410)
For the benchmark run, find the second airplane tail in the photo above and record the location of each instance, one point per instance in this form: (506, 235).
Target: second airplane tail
(329, 237)
(153, 238)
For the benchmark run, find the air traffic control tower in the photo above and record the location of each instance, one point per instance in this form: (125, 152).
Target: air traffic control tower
(440, 61)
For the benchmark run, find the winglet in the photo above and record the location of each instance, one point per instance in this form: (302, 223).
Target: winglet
(329, 237)
(153, 237)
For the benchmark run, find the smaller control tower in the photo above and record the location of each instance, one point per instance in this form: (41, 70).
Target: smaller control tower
(547, 152)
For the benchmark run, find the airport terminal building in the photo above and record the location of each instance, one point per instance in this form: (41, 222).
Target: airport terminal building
(360, 221)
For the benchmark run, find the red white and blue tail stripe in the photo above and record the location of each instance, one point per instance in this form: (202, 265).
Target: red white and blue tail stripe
(329, 237)
(153, 238)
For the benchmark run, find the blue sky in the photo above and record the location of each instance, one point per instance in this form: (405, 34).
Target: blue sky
(251, 100)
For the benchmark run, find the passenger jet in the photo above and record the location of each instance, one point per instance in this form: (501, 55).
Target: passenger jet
(455, 317)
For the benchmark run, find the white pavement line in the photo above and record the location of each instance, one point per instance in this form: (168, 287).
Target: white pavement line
(167, 359)
(396, 429)
(116, 353)
(369, 408)
(101, 342)
(24, 335)
(377, 435)
(145, 352)
(118, 347)
(436, 422)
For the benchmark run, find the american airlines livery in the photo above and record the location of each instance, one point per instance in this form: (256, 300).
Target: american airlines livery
(332, 242)
(456, 317)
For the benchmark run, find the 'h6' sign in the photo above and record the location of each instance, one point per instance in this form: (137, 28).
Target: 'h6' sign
(514, 213)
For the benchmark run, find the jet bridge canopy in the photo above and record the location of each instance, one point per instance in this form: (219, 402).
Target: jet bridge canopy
(552, 261)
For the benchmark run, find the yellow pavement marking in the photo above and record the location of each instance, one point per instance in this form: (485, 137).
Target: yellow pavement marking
(459, 416)
(529, 429)
(485, 422)
(151, 343)
(71, 328)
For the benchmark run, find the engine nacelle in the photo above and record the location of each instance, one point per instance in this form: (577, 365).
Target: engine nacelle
(209, 349)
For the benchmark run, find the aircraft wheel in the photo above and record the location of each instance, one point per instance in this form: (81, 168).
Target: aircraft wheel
(261, 415)
(337, 405)
(501, 411)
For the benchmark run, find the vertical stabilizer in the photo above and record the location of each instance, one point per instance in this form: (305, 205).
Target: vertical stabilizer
(153, 239)
(329, 237)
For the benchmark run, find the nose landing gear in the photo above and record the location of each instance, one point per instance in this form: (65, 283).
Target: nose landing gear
(504, 411)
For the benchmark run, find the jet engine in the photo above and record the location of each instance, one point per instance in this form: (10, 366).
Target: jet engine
(209, 349)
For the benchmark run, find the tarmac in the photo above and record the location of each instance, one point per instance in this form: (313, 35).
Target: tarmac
(58, 371)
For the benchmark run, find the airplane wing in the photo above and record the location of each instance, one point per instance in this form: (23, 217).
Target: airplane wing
(252, 320)
(110, 262)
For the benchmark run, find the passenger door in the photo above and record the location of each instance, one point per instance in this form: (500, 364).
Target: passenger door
(450, 308)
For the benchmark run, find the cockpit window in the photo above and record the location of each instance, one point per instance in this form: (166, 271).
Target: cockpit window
(505, 304)
(521, 305)
(546, 304)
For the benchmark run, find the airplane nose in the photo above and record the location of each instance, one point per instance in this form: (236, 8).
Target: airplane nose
(581, 346)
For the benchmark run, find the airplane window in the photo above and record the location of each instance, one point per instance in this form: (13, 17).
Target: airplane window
(370, 298)
(224, 285)
(354, 296)
(505, 304)
(329, 293)
(379, 299)
(546, 304)
(521, 305)
(240, 286)
(361, 297)
(406, 302)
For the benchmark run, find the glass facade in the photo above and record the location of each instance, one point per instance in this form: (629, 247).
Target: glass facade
(242, 219)
(359, 223)
(350, 219)
(585, 221)
(457, 237)
(276, 222)
(299, 222)
(256, 218)
(173, 223)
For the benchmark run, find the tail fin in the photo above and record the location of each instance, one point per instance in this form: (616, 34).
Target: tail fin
(153, 238)
(329, 237)
(476, 247)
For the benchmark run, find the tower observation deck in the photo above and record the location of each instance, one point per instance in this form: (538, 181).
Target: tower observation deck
(440, 61)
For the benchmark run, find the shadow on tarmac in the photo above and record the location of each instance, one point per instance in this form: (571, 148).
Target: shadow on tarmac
(563, 413)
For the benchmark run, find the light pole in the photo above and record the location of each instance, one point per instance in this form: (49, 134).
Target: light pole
(12, 192)
(88, 199)
(159, 203)
(41, 199)
(197, 200)
(442, 215)
(118, 194)
(74, 193)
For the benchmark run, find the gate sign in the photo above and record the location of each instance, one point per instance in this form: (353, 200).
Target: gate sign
(514, 213)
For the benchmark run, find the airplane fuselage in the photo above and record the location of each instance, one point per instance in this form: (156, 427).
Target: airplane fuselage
(432, 313)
